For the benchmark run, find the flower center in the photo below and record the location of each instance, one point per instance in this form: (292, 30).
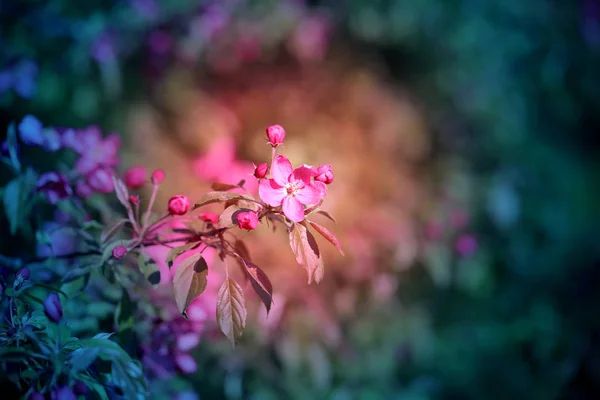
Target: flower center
(293, 187)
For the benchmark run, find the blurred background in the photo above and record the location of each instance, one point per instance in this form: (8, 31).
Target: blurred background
(464, 138)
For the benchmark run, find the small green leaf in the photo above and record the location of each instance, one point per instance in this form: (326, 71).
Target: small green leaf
(82, 358)
(189, 280)
(177, 251)
(12, 202)
(231, 311)
(305, 248)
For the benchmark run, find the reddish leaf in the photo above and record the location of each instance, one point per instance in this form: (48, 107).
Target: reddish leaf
(222, 187)
(327, 235)
(260, 283)
(305, 248)
(326, 214)
(177, 251)
(231, 311)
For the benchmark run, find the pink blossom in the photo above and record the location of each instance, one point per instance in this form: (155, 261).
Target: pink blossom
(95, 151)
(276, 135)
(158, 176)
(179, 205)
(185, 363)
(83, 190)
(135, 177)
(247, 220)
(100, 180)
(324, 174)
(119, 252)
(209, 217)
(466, 245)
(54, 185)
(261, 170)
(219, 164)
(291, 188)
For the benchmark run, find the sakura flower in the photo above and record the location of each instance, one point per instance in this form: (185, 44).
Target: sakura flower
(276, 135)
(83, 190)
(291, 189)
(54, 185)
(466, 245)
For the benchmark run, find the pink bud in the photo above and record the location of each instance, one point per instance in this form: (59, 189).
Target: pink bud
(261, 170)
(158, 176)
(135, 177)
(247, 220)
(179, 205)
(324, 174)
(133, 199)
(119, 252)
(209, 217)
(276, 135)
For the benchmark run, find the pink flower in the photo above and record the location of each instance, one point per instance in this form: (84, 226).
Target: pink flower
(276, 135)
(95, 151)
(133, 199)
(54, 185)
(324, 174)
(466, 245)
(83, 190)
(219, 164)
(119, 252)
(261, 170)
(158, 176)
(188, 341)
(247, 220)
(185, 363)
(100, 180)
(135, 177)
(291, 188)
(179, 205)
(209, 217)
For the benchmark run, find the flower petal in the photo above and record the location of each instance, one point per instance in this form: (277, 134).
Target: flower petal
(304, 173)
(293, 209)
(271, 193)
(281, 169)
(309, 194)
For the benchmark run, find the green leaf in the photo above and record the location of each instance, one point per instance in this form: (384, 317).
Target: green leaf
(124, 312)
(149, 269)
(12, 201)
(228, 218)
(305, 248)
(177, 251)
(11, 140)
(231, 311)
(189, 280)
(103, 335)
(82, 358)
(216, 197)
(327, 235)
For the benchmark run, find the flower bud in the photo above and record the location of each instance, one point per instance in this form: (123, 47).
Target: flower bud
(133, 199)
(209, 217)
(261, 170)
(23, 274)
(135, 177)
(158, 176)
(119, 252)
(247, 220)
(276, 135)
(179, 205)
(52, 307)
(324, 174)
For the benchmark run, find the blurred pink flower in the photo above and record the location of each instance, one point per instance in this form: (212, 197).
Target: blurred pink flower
(310, 39)
(100, 180)
(290, 188)
(54, 185)
(220, 165)
(135, 177)
(466, 245)
(95, 151)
